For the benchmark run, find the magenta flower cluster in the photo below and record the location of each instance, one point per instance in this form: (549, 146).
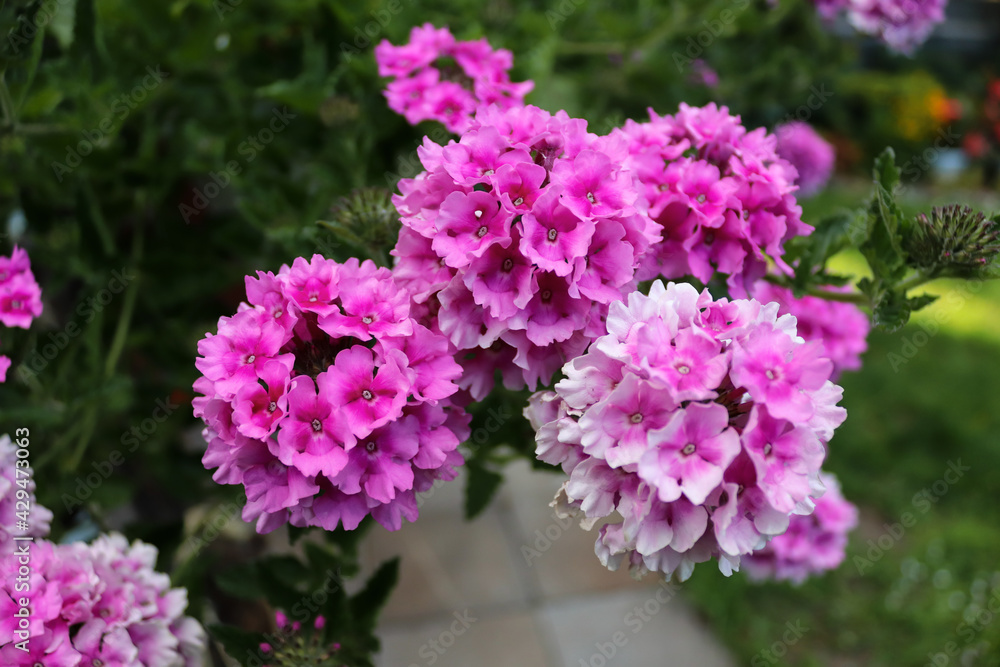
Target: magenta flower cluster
(517, 237)
(95, 604)
(902, 24)
(811, 155)
(723, 196)
(841, 328)
(435, 77)
(701, 423)
(17, 492)
(813, 544)
(20, 296)
(326, 400)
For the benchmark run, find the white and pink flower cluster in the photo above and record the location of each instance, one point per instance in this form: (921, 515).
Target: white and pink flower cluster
(326, 400)
(723, 196)
(17, 492)
(701, 423)
(435, 77)
(20, 296)
(902, 24)
(812, 545)
(95, 604)
(811, 155)
(841, 328)
(517, 237)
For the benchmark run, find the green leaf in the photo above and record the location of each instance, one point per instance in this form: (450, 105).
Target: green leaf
(367, 603)
(239, 644)
(886, 172)
(891, 312)
(241, 581)
(921, 301)
(480, 489)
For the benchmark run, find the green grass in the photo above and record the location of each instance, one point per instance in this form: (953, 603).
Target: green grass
(897, 605)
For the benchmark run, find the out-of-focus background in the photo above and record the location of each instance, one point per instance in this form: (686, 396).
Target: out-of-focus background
(138, 149)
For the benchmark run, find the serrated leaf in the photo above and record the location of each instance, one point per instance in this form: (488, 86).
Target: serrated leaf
(915, 303)
(891, 312)
(239, 644)
(480, 489)
(886, 172)
(367, 603)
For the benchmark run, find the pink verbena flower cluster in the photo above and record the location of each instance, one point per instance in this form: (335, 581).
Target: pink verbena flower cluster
(96, 604)
(812, 544)
(17, 491)
(20, 296)
(810, 154)
(701, 423)
(435, 77)
(326, 400)
(902, 24)
(724, 197)
(841, 328)
(517, 237)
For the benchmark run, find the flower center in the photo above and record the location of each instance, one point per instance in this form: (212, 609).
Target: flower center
(251, 359)
(683, 369)
(767, 449)
(278, 313)
(367, 319)
(482, 231)
(701, 199)
(317, 425)
(546, 294)
(313, 298)
(553, 234)
(709, 238)
(508, 264)
(488, 172)
(16, 305)
(591, 198)
(478, 214)
(370, 446)
(637, 418)
(272, 406)
(770, 374)
(518, 201)
(688, 449)
(98, 663)
(367, 395)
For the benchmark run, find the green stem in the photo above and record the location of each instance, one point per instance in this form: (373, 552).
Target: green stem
(125, 320)
(7, 104)
(915, 281)
(842, 297)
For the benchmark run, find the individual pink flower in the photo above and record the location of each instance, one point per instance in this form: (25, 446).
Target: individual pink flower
(842, 328)
(670, 421)
(902, 24)
(526, 263)
(435, 77)
(327, 400)
(20, 297)
(812, 545)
